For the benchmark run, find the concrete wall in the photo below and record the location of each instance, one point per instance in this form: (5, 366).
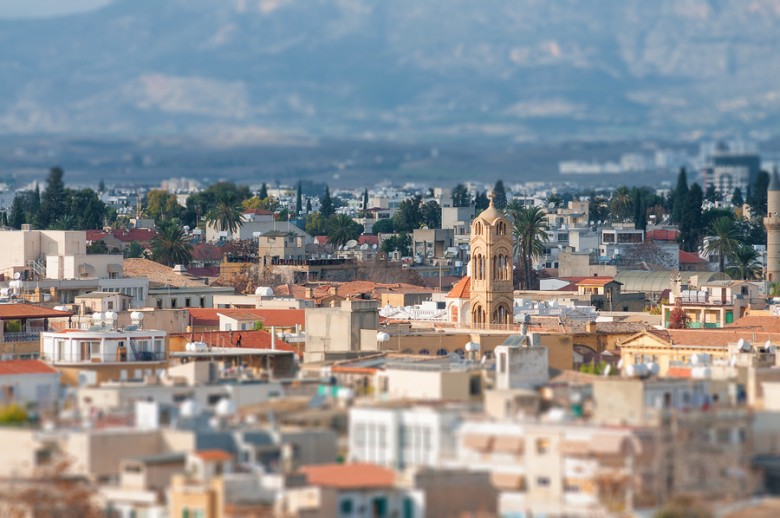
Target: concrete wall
(521, 367)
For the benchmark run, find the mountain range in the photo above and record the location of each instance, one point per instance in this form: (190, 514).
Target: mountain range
(243, 71)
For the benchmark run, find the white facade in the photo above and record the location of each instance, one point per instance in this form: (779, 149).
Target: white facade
(39, 388)
(402, 437)
(111, 346)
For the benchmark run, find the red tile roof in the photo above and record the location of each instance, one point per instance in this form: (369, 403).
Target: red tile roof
(249, 339)
(95, 235)
(349, 476)
(690, 258)
(214, 455)
(206, 252)
(208, 317)
(15, 311)
(767, 324)
(17, 367)
(368, 240)
(461, 290)
(719, 337)
(142, 235)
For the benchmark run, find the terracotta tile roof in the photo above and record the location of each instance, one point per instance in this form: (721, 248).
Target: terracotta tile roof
(461, 290)
(95, 235)
(212, 271)
(206, 252)
(159, 274)
(368, 240)
(17, 367)
(207, 317)
(142, 235)
(214, 455)
(13, 311)
(349, 476)
(710, 337)
(690, 258)
(595, 281)
(766, 324)
(249, 339)
(321, 240)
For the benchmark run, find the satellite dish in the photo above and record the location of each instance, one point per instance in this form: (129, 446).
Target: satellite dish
(364, 246)
(375, 246)
(350, 244)
(551, 205)
(17, 275)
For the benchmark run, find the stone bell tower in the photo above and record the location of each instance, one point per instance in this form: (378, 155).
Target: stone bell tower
(772, 224)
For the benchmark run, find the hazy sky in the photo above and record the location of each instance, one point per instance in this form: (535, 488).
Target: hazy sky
(41, 8)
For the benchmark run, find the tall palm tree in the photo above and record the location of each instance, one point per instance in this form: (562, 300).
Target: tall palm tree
(723, 239)
(620, 203)
(530, 235)
(170, 245)
(746, 264)
(340, 228)
(225, 215)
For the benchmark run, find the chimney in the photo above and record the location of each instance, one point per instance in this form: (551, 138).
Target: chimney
(26, 226)
(591, 326)
(273, 338)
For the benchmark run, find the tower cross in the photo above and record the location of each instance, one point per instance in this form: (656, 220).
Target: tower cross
(491, 196)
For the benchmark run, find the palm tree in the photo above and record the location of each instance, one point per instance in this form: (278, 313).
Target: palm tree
(746, 264)
(620, 203)
(134, 250)
(340, 228)
(225, 215)
(530, 235)
(724, 239)
(170, 246)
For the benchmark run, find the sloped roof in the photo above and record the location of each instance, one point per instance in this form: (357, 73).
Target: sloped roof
(206, 252)
(270, 317)
(159, 274)
(461, 290)
(142, 235)
(660, 234)
(349, 476)
(596, 281)
(214, 455)
(19, 367)
(767, 324)
(690, 258)
(709, 337)
(13, 311)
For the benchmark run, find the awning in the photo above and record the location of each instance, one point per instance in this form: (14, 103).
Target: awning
(86, 268)
(115, 268)
(509, 444)
(508, 481)
(481, 443)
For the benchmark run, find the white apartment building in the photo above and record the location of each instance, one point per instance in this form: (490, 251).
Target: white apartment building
(399, 438)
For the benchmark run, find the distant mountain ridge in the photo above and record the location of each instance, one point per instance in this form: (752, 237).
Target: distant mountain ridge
(258, 70)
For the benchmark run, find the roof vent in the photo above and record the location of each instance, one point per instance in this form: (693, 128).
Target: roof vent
(180, 269)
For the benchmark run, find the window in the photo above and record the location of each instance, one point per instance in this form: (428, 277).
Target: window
(345, 507)
(173, 303)
(542, 482)
(110, 305)
(187, 303)
(542, 447)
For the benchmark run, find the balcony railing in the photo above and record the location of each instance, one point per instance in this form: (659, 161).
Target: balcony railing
(143, 356)
(22, 337)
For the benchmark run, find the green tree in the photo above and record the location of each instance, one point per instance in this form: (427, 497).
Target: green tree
(758, 194)
(723, 240)
(340, 229)
(499, 192)
(17, 217)
(53, 198)
(383, 226)
(712, 195)
(598, 207)
(736, 198)
(170, 246)
(315, 224)
(691, 226)
(326, 205)
(308, 205)
(481, 202)
(409, 215)
(365, 201)
(162, 205)
(430, 214)
(97, 247)
(745, 264)
(555, 200)
(620, 204)
(263, 194)
(401, 242)
(68, 222)
(134, 250)
(88, 210)
(225, 215)
(679, 197)
(530, 235)
(460, 196)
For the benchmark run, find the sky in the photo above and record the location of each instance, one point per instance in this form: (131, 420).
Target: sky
(44, 8)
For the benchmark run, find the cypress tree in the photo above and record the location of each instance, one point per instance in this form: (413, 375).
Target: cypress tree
(308, 205)
(679, 197)
(737, 200)
(53, 198)
(691, 226)
(263, 194)
(499, 193)
(299, 198)
(326, 206)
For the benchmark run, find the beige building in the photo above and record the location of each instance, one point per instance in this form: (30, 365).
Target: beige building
(102, 301)
(491, 269)
(53, 254)
(275, 245)
(349, 328)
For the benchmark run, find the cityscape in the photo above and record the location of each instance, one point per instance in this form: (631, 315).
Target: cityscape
(279, 258)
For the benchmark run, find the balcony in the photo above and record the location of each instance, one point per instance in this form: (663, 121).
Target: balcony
(22, 337)
(141, 357)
